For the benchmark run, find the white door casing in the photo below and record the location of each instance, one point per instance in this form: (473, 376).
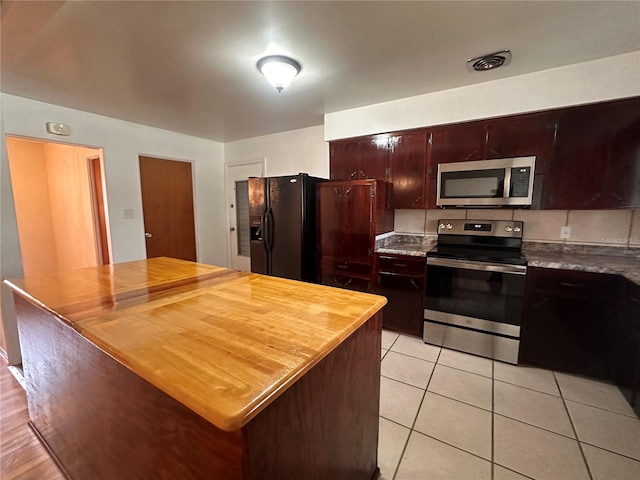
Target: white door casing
(239, 173)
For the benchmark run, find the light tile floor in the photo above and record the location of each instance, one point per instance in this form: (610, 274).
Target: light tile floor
(448, 415)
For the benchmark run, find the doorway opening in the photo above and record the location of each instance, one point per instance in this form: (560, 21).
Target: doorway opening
(60, 203)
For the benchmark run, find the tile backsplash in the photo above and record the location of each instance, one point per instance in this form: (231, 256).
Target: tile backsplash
(617, 228)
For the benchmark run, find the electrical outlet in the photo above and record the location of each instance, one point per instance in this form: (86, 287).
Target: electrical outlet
(128, 213)
(565, 232)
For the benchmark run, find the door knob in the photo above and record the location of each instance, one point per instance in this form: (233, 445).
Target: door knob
(147, 235)
(232, 229)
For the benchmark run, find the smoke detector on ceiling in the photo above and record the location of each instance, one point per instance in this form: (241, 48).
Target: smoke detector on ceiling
(489, 62)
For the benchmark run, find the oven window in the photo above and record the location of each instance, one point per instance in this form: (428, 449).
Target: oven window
(491, 296)
(472, 184)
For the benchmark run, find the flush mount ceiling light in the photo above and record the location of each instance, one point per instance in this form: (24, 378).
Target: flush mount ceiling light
(489, 62)
(279, 70)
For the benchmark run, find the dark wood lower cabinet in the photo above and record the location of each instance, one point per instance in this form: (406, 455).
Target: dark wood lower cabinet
(626, 357)
(584, 323)
(402, 280)
(570, 321)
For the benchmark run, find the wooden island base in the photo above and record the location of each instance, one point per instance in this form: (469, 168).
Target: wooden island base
(100, 420)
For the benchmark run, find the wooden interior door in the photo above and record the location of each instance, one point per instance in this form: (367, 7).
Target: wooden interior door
(167, 203)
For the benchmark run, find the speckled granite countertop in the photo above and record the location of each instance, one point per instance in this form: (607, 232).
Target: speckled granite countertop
(403, 244)
(586, 258)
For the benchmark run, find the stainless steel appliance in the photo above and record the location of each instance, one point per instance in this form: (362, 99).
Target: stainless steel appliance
(282, 226)
(475, 288)
(482, 183)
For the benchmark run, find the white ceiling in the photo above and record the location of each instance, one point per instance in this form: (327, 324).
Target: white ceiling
(190, 66)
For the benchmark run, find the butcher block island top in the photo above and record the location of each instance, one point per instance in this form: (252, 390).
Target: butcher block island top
(221, 342)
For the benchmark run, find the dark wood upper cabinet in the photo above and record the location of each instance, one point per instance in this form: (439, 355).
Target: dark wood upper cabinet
(343, 160)
(587, 157)
(408, 154)
(360, 159)
(456, 143)
(622, 187)
(596, 164)
(373, 158)
(523, 136)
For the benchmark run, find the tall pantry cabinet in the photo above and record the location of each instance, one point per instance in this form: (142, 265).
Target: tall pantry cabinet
(349, 216)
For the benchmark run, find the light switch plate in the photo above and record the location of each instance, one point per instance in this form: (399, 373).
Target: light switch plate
(128, 213)
(565, 232)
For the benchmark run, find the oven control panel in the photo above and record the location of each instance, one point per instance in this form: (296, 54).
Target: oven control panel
(494, 228)
(478, 227)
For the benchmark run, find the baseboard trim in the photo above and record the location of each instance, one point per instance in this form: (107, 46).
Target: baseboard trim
(34, 429)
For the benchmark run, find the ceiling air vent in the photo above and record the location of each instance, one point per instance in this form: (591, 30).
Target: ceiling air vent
(489, 62)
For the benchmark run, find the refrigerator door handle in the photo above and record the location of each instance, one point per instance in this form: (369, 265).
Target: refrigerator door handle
(270, 229)
(263, 229)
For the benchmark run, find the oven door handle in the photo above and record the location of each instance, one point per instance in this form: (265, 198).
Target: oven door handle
(473, 265)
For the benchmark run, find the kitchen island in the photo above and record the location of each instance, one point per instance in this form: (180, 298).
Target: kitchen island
(166, 369)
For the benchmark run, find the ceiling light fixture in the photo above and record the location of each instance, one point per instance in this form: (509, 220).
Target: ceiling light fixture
(279, 70)
(489, 62)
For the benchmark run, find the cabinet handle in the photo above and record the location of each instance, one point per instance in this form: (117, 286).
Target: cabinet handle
(417, 200)
(400, 265)
(494, 153)
(337, 190)
(353, 174)
(571, 285)
(342, 284)
(415, 285)
(348, 191)
(342, 266)
(362, 174)
(471, 155)
(540, 303)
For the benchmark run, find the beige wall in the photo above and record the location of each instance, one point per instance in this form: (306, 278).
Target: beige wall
(31, 194)
(620, 228)
(53, 205)
(284, 153)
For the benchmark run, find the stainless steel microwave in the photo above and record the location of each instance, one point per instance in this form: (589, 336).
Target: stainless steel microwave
(486, 183)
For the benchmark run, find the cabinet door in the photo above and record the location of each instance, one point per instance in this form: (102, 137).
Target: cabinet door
(458, 143)
(401, 279)
(343, 160)
(522, 136)
(408, 167)
(622, 188)
(569, 323)
(627, 352)
(577, 174)
(597, 158)
(373, 158)
(329, 221)
(403, 311)
(357, 221)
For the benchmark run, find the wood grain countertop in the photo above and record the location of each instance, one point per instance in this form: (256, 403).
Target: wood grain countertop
(224, 343)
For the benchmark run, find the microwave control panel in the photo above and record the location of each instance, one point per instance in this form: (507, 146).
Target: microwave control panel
(520, 181)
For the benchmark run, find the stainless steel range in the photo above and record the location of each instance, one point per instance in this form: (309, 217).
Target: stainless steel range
(475, 288)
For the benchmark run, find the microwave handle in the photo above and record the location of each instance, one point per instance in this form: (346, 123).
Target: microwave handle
(507, 183)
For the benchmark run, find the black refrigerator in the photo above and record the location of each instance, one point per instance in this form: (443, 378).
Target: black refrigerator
(282, 221)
